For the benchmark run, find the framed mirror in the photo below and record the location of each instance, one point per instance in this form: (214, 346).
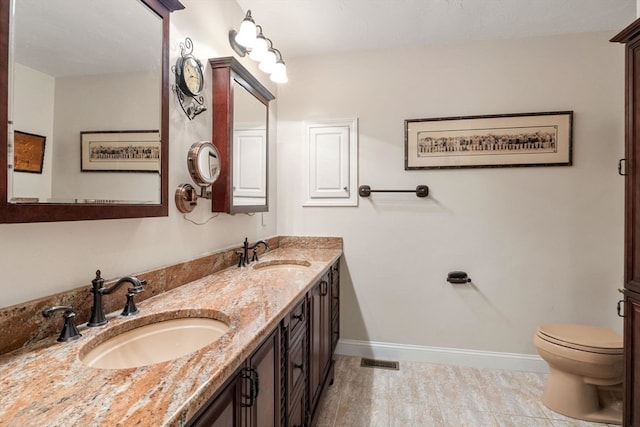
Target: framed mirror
(241, 134)
(91, 80)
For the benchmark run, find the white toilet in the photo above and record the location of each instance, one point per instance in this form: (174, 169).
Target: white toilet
(585, 371)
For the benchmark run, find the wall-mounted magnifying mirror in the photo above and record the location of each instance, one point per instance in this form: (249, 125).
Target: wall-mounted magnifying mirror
(203, 162)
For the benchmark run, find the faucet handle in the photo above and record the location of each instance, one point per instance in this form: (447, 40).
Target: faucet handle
(130, 306)
(255, 254)
(98, 282)
(69, 330)
(241, 260)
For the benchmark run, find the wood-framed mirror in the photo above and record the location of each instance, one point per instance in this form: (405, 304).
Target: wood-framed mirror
(125, 173)
(241, 135)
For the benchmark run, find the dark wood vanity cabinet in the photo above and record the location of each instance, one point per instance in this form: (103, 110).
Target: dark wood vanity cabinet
(282, 382)
(225, 408)
(296, 364)
(319, 338)
(335, 306)
(324, 327)
(630, 36)
(632, 358)
(251, 398)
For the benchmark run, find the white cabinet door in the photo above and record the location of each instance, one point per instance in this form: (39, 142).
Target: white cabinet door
(331, 163)
(249, 177)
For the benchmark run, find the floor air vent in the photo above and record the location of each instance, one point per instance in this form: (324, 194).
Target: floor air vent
(382, 364)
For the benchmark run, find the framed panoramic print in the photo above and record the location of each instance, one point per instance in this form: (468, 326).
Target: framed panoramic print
(28, 152)
(120, 151)
(530, 139)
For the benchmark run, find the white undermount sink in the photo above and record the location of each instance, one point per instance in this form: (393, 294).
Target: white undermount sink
(155, 342)
(282, 265)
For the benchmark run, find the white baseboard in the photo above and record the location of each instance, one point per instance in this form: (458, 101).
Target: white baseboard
(441, 355)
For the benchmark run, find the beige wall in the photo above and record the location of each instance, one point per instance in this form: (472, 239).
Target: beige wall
(33, 113)
(542, 244)
(42, 259)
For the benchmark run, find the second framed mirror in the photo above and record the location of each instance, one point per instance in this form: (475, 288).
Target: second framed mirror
(241, 134)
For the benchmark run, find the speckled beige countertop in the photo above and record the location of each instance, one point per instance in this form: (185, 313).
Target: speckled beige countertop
(48, 385)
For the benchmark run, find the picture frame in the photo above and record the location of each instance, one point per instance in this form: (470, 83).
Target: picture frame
(28, 152)
(487, 141)
(120, 151)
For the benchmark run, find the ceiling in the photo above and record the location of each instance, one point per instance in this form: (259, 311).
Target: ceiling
(311, 27)
(77, 37)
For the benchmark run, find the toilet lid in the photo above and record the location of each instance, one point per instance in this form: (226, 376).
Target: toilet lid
(582, 337)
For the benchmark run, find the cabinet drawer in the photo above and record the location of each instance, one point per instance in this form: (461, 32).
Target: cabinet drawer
(298, 409)
(297, 318)
(297, 368)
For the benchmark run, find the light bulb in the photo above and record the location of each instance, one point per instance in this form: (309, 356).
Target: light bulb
(269, 62)
(259, 49)
(246, 36)
(279, 74)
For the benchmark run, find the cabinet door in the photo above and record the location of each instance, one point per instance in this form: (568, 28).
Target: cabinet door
(632, 182)
(632, 358)
(331, 166)
(264, 364)
(630, 36)
(297, 415)
(319, 337)
(224, 410)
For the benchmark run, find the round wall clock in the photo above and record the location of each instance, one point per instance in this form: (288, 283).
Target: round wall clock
(189, 81)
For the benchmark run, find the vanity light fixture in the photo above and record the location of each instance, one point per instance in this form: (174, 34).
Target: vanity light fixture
(251, 40)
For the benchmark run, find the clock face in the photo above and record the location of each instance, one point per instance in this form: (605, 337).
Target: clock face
(192, 75)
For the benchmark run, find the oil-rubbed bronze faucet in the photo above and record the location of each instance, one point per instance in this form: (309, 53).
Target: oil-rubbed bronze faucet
(244, 255)
(97, 313)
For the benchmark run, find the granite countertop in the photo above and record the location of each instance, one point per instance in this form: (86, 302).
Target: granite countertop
(47, 385)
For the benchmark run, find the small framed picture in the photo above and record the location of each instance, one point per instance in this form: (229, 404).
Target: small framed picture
(28, 152)
(120, 151)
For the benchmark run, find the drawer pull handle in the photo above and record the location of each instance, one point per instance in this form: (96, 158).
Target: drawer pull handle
(299, 317)
(619, 308)
(254, 386)
(299, 366)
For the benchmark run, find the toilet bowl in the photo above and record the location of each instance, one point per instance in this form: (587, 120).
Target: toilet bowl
(585, 371)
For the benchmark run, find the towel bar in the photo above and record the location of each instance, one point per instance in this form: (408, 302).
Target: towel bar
(421, 191)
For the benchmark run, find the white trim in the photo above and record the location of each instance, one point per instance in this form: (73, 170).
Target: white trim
(442, 355)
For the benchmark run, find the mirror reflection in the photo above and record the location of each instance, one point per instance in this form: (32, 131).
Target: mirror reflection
(249, 149)
(79, 68)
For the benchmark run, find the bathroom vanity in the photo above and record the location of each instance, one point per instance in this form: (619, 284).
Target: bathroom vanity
(281, 382)
(269, 369)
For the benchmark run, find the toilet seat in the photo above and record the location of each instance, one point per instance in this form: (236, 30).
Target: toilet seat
(590, 339)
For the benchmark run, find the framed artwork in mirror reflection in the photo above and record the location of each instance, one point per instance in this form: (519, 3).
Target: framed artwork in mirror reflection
(529, 139)
(28, 152)
(120, 151)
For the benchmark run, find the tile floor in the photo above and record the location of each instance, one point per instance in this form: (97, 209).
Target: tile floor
(429, 395)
